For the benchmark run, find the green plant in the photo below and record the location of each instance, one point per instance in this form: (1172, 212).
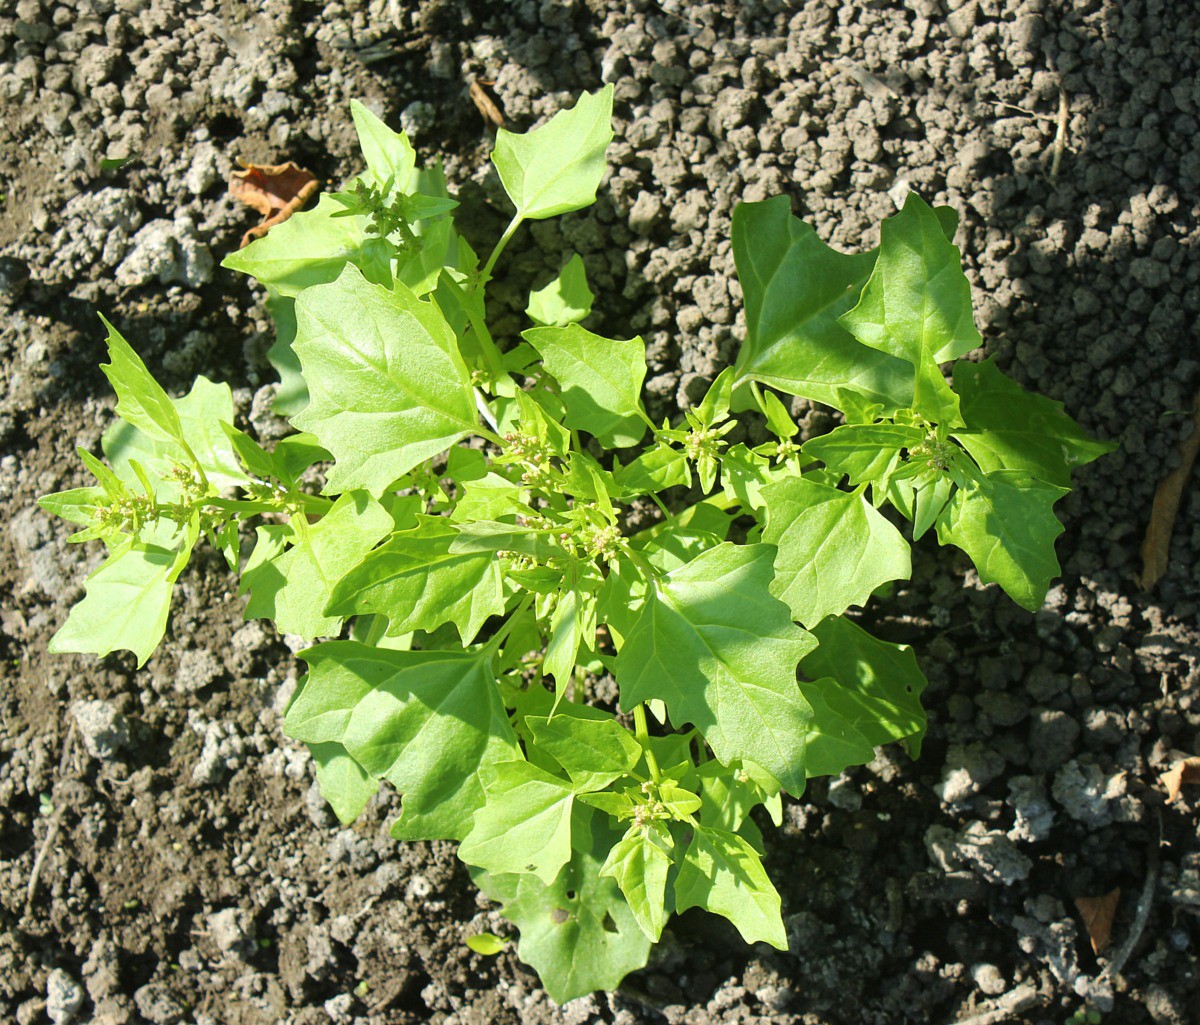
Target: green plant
(472, 533)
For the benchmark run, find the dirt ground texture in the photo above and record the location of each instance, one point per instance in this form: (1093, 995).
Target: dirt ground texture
(186, 869)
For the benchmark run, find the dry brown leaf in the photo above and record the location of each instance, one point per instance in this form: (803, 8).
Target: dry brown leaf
(1156, 547)
(485, 104)
(1097, 914)
(1186, 770)
(275, 190)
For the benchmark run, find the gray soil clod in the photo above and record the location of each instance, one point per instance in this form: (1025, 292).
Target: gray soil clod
(188, 874)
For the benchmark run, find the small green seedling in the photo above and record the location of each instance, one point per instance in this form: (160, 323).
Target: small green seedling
(469, 568)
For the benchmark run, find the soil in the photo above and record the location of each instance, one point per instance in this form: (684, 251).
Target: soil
(164, 855)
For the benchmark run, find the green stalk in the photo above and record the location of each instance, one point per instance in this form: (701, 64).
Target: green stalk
(642, 733)
(486, 274)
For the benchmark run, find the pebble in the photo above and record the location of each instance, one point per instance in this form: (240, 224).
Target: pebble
(64, 997)
(102, 728)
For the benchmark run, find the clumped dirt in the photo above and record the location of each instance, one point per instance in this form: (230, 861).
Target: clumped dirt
(186, 870)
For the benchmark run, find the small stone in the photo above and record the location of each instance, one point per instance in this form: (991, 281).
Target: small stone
(644, 213)
(232, 930)
(340, 1009)
(64, 996)
(1034, 814)
(988, 978)
(197, 669)
(103, 729)
(156, 1004)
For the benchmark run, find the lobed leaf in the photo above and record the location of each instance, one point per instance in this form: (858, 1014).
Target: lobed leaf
(558, 167)
(388, 388)
(916, 306)
(601, 381)
(293, 588)
(1005, 522)
(126, 601)
(525, 824)
(419, 583)
(795, 289)
(1009, 428)
(876, 686)
(834, 548)
(639, 863)
(429, 722)
(578, 933)
(723, 874)
(722, 653)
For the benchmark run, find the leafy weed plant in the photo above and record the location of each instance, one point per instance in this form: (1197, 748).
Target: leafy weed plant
(467, 539)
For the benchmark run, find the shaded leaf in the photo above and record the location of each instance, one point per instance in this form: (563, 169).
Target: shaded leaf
(1009, 428)
(1005, 522)
(723, 874)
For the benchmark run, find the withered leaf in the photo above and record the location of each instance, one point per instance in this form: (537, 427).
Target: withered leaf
(275, 190)
(1156, 547)
(484, 103)
(1097, 914)
(1186, 770)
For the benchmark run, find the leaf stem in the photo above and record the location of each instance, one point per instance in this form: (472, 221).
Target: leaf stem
(485, 412)
(642, 733)
(499, 637)
(486, 274)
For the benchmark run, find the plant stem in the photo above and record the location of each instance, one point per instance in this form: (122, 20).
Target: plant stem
(642, 732)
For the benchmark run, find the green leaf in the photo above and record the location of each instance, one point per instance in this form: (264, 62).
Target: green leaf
(874, 685)
(917, 306)
(566, 300)
(312, 247)
(558, 167)
(343, 782)
(834, 549)
(713, 643)
(127, 601)
(389, 155)
(202, 415)
(578, 933)
(291, 395)
(76, 505)
(653, 471)
(864, 452)
(795, 288)
(833, 741)
(594, 751)
(525, 826)
(722, 873)
(1009, 428)
(387, 386)
(728, 794)
(601, 381)
(298, 584)
(639, 863)
(566, 634)
(487, 536)
(429, 722)
(487, 944)
(419, 583)
(141, 401)
(1005, 522)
